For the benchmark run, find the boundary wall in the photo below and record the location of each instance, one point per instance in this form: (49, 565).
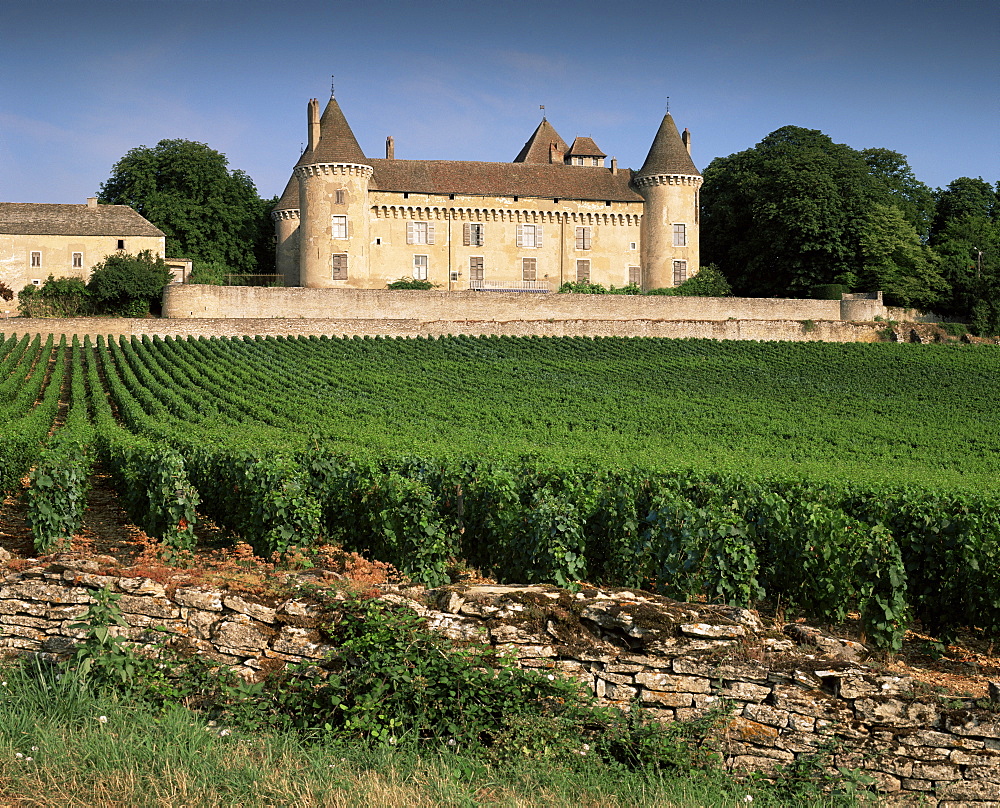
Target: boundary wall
(201, 301)
(768, 330)
(776, 702)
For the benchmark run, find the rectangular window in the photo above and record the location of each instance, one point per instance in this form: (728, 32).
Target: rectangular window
(476, 271)
(36, 258)
(339, 196)
(420, 232)
(634, 276)
(528, 269)
(578, 161)
(583, 238)
(420, 267)
(680, 235)
(583, 271)
(474, 235)
(632, 245)
(339, 264)
(77, 260)
(529, 235)
(338, 227)
(680, 272)
(121, 244)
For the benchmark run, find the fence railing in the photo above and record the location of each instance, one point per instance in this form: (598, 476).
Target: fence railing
(509, 286)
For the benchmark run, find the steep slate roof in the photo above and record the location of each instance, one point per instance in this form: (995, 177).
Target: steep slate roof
(337, 143)
(290, 196)
(38, 219)
(557, 181)
(536, 150)
(668, 154)
(584, 147)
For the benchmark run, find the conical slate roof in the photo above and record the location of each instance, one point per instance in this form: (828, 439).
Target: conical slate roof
(290, 196)
(668, 154)
(337, 143)
(537, 150)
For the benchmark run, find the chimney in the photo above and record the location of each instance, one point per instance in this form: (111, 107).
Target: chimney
(614, 165)
(91, 201)
(555, 156)
(390, 148)
(313, 115)
(686, 138)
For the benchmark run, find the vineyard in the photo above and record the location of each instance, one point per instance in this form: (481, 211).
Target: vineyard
(828, 477)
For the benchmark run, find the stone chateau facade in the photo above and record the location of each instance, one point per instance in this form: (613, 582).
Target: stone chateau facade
(556, 213)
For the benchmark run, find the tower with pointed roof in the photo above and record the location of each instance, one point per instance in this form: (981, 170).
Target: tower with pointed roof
(555, 213)
(670, 185)
(333, 177)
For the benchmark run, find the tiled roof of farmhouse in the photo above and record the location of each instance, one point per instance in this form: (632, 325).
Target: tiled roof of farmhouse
(337, 143)
(668, 154)
(556, 181)
(537, 149)
(39, 219)
(584, 147)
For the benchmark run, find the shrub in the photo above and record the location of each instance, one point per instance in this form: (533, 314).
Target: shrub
(212, 273)
(410, 283)
(57, 297)
(6, 293)
(709, 282)
(828, 291)
(128, 285)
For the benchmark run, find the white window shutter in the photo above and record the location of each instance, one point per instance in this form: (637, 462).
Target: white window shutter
(430, 232)
(467, 234)
(538, 235)
(520, 235)
(409, 232)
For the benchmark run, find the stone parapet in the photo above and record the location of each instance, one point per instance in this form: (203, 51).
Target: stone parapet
(774, 701)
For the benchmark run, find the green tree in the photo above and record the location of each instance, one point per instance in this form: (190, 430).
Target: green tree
(965, 236)
(896, 261)
(207, 212)
(914, 199)
(128, 285)
(787, 214)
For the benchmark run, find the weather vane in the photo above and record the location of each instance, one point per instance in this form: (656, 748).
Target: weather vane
(331, 87)
(542, 108)
(668, 103)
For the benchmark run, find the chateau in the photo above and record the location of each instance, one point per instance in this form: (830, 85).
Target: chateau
(556, 213)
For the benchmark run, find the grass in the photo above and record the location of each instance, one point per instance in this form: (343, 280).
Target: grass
(61, 744)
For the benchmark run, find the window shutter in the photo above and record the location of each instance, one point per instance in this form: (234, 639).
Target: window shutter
(430, 232)
(409, 232)
(467, 235)
(520, 235)
(538, 235)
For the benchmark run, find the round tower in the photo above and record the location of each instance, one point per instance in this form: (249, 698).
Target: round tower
(669, 184)
(333, 203)
(286, 233)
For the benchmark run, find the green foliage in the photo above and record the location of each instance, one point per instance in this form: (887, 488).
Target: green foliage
(57, 297)
(128, 285)
(409, 283)
(588, 288)
(828, 291)
(954, 329)
(209, 272)
(57, 495)
(207, 212)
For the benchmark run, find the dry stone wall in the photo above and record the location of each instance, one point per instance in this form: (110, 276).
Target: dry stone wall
(779, 694)
(768, 330)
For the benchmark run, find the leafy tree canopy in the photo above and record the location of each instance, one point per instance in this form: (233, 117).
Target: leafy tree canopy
(207, 212)
(798, 211)
(128, 284)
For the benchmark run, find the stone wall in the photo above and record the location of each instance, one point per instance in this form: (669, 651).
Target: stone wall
(182, 301)
(769, 330)
(780, 694)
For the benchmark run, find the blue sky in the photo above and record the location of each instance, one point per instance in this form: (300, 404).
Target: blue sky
(85, 82)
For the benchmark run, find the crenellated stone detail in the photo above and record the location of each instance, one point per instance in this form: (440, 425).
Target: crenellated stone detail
(335, 169)
(289, 214)
(433, 212)
(667, 179)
